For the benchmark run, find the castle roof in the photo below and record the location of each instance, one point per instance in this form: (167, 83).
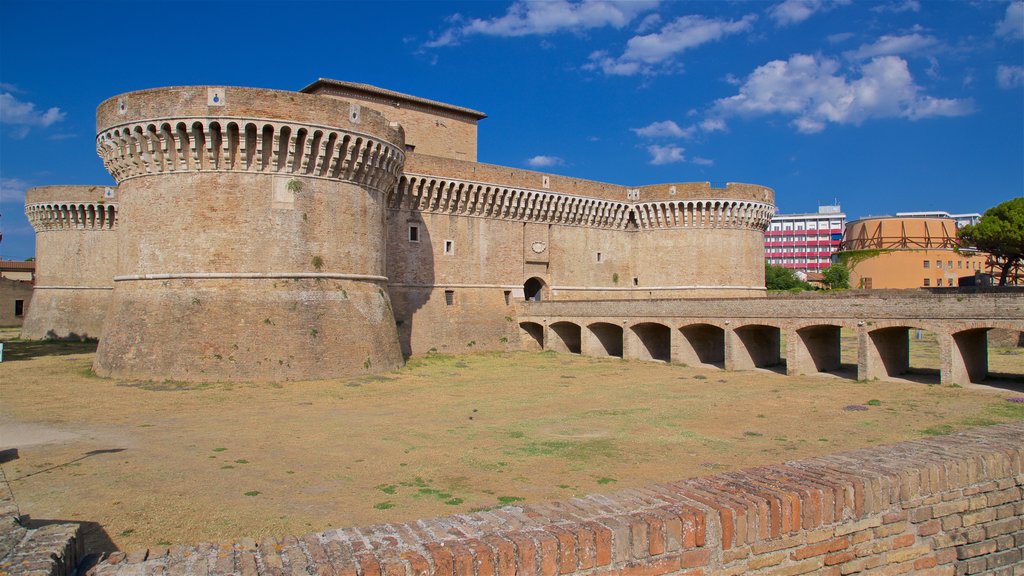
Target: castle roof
(394, 98)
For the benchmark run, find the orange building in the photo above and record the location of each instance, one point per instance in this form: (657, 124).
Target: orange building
(907, 252)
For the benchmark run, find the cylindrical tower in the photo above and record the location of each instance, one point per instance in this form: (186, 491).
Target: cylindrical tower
(76, 258)
(252, 235)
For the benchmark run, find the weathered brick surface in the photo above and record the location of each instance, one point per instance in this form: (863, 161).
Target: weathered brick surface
(714, 525)
(49, 550)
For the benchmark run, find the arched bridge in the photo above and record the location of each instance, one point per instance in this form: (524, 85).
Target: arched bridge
(747, 333)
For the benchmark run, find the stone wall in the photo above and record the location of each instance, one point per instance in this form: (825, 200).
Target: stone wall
(941, 506)
(12, 291)
(38, 549)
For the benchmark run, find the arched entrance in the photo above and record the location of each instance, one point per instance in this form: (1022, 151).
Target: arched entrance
(533, 289)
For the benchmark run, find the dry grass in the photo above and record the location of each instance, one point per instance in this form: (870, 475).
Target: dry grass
(157, 463)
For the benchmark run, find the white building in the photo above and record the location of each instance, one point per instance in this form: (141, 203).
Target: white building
(805, 242)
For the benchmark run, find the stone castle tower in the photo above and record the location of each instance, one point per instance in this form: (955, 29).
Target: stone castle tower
(76, 230)
(252, 235)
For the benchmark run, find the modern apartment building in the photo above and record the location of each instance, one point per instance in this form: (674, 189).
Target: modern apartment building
(805, 242)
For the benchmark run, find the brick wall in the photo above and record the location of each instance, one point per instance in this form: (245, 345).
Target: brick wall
(949, 505)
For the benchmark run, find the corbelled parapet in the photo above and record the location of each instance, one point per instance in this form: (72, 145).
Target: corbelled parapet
(256, 227)
(76, 258)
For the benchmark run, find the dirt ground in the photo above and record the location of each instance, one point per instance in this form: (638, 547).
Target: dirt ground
(146, 464)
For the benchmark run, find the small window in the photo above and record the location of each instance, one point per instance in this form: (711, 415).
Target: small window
(938, 282)
(508, 297)
(949, 264)
(449, 297)
(959, 264)
(927, 282)
(449, 247)
(414, 233)
(927, 264)
(410, 147)
(636, 281)
(19, 308)
(598, 256)
(938, 263)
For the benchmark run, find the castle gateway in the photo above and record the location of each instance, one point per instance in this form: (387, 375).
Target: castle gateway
(272, 235)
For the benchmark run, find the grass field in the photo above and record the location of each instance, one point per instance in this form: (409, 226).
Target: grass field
(148, 464)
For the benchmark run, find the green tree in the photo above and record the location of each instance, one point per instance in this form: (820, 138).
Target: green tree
(837, 276)
(1000, 232)
(782, 278)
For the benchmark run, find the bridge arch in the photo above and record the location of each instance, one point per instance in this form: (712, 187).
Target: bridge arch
(756, 346)
(565, 337)
(531, 334)
(653, 341)
(701, 343)
(816, 348)
(604, 339)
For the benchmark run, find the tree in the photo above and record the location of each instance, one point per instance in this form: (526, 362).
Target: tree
(1000, 232)
(782, 278)
(837, 276)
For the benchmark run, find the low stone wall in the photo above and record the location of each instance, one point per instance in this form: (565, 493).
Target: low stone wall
(53, 549)
(948, 505)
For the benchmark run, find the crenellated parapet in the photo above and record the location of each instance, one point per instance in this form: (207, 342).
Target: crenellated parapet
(425, 193)
(704, 214)
(49, 216)
(166, 145)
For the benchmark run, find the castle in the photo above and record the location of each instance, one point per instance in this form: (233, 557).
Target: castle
(268, 235)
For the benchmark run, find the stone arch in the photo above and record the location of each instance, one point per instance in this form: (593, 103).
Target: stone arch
(817, 348)
(604, 339)
(565, 337)
(531, 334)
(887, 354)
(969, 358)
(653, 341)
(535, 289)
(756, 346)
(701, 344)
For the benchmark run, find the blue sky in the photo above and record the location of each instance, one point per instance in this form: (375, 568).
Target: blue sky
(883, 106)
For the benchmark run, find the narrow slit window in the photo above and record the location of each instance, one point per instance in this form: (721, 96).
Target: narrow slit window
(449, 297)
(414, 233)
(636, 281)
(508, 297)
(449, 247)
(598, 256)
(19, 308)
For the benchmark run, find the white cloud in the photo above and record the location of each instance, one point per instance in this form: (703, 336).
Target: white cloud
(5, 87)
(644, 52)
(525, 18)
(839, 37)
(813, 91)
(666, 154)
(713, 125)
(545, 161)
(1012, 25)
(665, 129)
(905, 6)
(23, 115)
(791, 12)
(702, 161)
(1010, 76)
(12, 190)
(893, 46)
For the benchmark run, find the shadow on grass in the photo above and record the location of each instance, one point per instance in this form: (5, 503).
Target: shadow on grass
(15, 350)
